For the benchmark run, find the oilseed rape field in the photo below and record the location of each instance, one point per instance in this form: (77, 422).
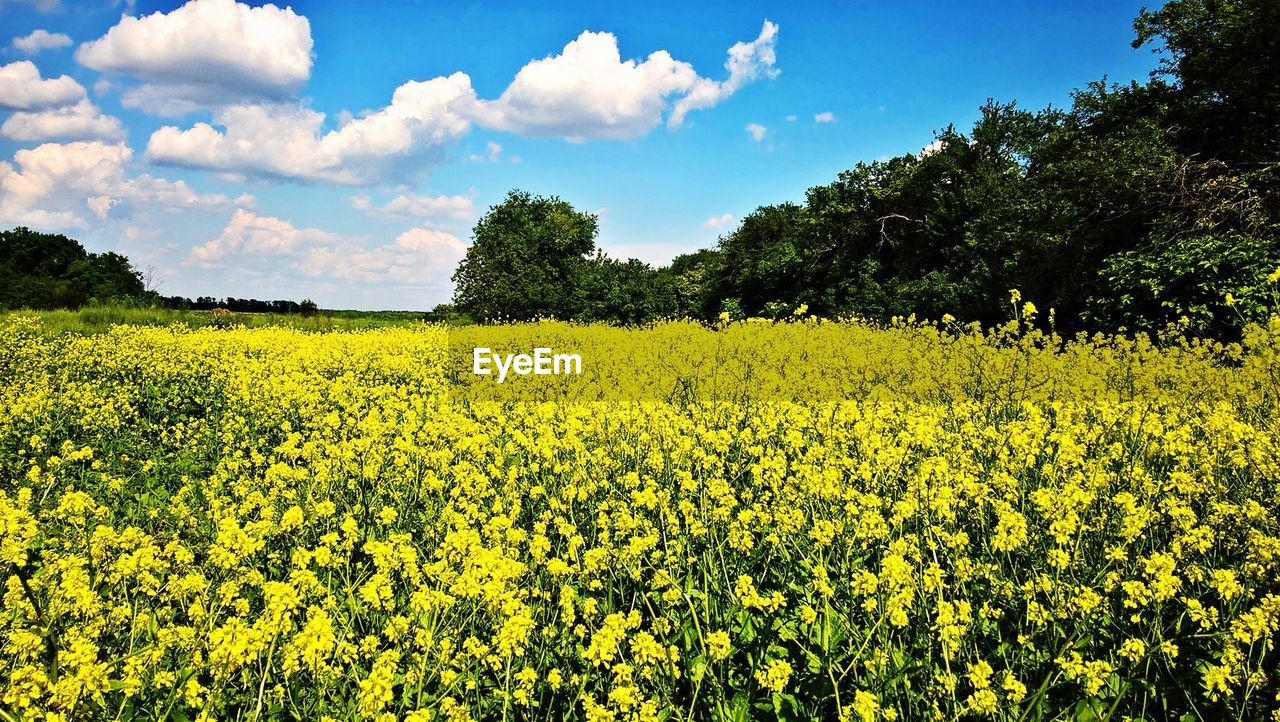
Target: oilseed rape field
(794, 520)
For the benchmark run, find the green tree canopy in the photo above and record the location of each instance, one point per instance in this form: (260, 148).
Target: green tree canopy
(1219, 68)
(527, 259)
(47, 270)
(626, 292)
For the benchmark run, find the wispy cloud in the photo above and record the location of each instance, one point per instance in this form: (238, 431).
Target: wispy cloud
(41, 39)
(718, 222)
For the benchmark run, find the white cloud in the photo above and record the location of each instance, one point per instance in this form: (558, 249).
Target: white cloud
(756, 131)
(207, 53)
(158, 100)
(747, 62)
(41, 39)
(931, 148)
(55, 184)
(717, 222)
(100, 205)
(249, 234)
(493, 154)
(22, 88)
(824, 117)
(417, 256)
(791, 118)
(588, 91)
(410, 205)
(283, 141)
(585, 92)
(82, 121)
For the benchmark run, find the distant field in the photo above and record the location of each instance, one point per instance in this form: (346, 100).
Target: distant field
(757, 520)
(97, 319)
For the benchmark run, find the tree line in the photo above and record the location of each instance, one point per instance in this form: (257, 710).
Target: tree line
(45, 271)
(305, 307)
(1139, 205)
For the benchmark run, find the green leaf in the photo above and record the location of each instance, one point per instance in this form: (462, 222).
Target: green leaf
(698, 668)
(786, 707)
(740, 707)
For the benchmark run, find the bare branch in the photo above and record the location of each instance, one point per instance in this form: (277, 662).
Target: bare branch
(892, 217)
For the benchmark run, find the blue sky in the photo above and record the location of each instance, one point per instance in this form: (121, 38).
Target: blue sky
(342, 151)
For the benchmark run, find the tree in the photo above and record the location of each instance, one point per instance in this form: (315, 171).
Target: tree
(105, 277)
(625, 292)
(1219, 67)
(763, 259)
(527, 259)
(33, 268)
(691, 276)
(45, 271)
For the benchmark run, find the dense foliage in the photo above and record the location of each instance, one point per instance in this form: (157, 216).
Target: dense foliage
(43, 270)
(802, 520)
(536, 257)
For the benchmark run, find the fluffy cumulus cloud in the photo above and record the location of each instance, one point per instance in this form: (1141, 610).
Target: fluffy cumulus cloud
(22, 88)
(824, 117)
(207, 53)
(81, 121)
(419, 256)
(588, 91)
(289, 141)
(248, 234)
(68, 185)
(41, 40)
(718, 222)
(748, 61)
(756, 131)
(411, 205)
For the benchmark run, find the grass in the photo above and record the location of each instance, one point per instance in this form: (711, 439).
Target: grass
(100, 318)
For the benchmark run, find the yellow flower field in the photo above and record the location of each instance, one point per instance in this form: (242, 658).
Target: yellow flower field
(799, 520)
